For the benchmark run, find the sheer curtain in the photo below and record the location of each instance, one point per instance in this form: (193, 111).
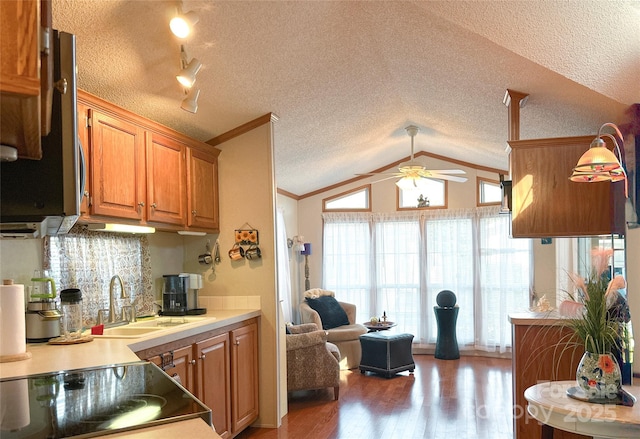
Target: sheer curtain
(396, 289)
(347, 259)
(398, 263)
(448, 262)
(505, 280)
(284, 273)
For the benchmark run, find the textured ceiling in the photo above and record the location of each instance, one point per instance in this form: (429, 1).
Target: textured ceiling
(345, 78)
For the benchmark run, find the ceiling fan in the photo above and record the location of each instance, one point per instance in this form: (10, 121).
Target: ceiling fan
(413, 172)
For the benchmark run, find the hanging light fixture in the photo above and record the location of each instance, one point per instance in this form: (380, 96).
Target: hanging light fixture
(598, 163)
(190, 103)
(182, 24)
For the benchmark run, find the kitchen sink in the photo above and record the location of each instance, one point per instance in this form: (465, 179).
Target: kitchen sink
(151, 326)
(127, 331)
(163, 322)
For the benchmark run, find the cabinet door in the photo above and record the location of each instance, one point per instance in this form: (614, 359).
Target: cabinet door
(178, 364)
(19, 69)
(202, 189)
(213, 380)
(244, 376)
(118, 171)
(166, 180)
(25, 108)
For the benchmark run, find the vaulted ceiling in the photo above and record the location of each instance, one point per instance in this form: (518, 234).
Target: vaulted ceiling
(346, 77)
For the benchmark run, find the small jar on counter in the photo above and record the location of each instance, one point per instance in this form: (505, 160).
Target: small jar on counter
(71, 304)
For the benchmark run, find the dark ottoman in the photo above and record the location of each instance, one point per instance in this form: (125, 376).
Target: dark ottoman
(386, 353)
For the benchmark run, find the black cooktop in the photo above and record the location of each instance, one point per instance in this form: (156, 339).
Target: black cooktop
(93, 402)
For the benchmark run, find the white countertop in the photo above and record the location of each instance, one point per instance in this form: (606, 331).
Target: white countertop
(536, 318)
(106, 351)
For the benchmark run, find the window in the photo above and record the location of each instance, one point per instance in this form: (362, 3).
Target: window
(432, 194)
(399, 262)
(358, 199)
(489, 192)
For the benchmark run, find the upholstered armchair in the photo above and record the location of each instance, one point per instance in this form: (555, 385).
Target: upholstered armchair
(342, 330)
(312, 363)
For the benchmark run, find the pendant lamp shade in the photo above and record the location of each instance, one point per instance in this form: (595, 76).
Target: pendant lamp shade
(599, 163)
(597, 159)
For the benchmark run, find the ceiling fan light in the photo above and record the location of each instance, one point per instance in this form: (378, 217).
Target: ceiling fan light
(181, 25)
(190, 103)
(405, 183)
(187, 76)
(410, 183)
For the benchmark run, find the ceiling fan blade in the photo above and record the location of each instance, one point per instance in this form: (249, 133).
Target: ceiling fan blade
(447, 177)
(384, 179)
(448, 171)
(373, 174)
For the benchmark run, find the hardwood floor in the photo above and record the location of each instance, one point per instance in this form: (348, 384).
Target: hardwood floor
(453, 399)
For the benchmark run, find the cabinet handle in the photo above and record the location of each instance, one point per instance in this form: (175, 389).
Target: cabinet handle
(237, 343)
(203, 356)
(153, 205)
(192, 362)
(194, 212)
(141, 204)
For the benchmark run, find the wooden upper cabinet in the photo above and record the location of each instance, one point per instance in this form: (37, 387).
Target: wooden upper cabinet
(202, 173)
(25, 75)
(118, 167)
(166, 180)
(546, 203)
(143, 172)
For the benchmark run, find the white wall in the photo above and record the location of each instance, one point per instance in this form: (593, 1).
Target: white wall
(247, 198)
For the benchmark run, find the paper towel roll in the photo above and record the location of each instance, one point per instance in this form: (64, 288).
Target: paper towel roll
(12, 321)
(14, 405)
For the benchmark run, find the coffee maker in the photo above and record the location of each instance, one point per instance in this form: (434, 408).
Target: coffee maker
(180, 294)
(174, 294)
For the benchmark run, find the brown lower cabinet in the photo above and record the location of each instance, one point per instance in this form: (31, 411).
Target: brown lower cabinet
(220, 368)
(542, 350)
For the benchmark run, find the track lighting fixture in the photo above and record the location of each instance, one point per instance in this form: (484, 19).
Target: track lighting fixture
(187, 75)
(181, 25)
(190, 103)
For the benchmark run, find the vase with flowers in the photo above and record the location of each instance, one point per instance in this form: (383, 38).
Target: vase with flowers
(597, 317)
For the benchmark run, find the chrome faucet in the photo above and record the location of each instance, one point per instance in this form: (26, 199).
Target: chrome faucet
(112, 304)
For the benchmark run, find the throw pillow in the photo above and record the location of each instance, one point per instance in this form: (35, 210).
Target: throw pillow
(330, 311)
